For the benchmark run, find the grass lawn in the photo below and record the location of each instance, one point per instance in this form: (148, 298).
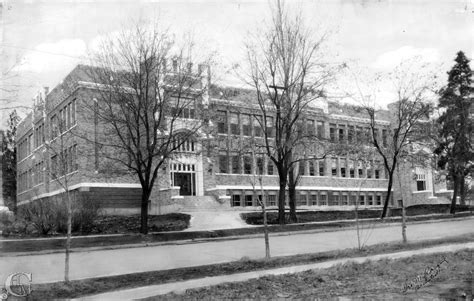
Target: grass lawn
(256, 218)
(79, 288)
(373, 280)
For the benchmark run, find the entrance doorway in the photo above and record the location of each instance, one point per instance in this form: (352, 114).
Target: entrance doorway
(186, 181)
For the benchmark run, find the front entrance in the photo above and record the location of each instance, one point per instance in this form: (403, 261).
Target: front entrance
(186, 181)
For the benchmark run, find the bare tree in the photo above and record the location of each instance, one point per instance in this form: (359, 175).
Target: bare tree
(256, 180)
(146, 101)
(285, 69)
(61, 151)
(412, 105)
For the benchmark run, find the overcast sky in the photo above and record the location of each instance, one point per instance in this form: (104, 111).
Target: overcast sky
(50, 37)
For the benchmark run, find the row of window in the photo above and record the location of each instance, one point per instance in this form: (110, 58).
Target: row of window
(310, 198)
(64, 163)
(243, 124)
(59, 123)
(25, 147)
(238, 164)
(64, 120)
(350, 134)
(258, 164)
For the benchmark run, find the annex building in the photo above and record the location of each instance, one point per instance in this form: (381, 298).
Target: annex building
(210, 170)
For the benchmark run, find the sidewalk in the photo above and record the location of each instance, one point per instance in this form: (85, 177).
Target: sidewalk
(219, 220)
(180, 287)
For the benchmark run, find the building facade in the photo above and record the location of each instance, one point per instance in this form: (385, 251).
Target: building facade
(213, 169)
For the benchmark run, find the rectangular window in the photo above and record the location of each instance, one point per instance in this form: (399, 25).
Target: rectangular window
(350, 134)
(378, 199)
(377, 174)
(257, 130)
(235, 164)
(248, 200)
(370, 199)
(359, 134)
(332, 132)
(248, 164)
(344, 199)
(320, 129)
(68, 117)
(384, 138)
(311, 127)
(270, 127)
(54, 166)
(369, 173)
(234, 124)
(236, 200)
(246, 126)
(271, 200)
(334, 167)
(301, 168)
(222, 122)
(301, 199)
(223, 164)
(313, 199)
(312, 170)
(361, 199)
(73, 112)
(260, 164)
(270, 167)
(321, 168)
(343, 172)
(333, 198)
(342, 135)
(322, 199)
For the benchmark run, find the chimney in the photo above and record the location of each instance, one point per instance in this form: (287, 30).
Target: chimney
(190, 67)
(46, 91)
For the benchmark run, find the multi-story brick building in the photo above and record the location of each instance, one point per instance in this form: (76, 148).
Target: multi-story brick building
(213, 169)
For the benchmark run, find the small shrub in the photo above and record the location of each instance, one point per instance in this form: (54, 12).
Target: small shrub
(41, 213)
(49, 216)
(20, 227)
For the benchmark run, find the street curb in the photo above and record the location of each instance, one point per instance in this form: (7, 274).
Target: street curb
(182, 286)
(210, 239)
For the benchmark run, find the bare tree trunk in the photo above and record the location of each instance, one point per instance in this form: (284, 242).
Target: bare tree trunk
(462, 190)
(144, 211)
(356, 211)
(455, 194)
(389, 193)
(292, 195)
(404, 223)
(265, 222)
(281, 200)
(68, 237)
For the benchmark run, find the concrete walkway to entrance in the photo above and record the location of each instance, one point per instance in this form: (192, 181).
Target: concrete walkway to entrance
(180, 287)
(215, 220)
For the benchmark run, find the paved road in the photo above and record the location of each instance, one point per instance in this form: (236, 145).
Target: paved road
(50, 267)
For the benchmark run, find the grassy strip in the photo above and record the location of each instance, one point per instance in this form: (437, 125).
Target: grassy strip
(256, 218)
(129, 239)
(79, 288)
(371, 280)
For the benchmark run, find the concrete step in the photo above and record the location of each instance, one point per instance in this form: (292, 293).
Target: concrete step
(196, 203)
